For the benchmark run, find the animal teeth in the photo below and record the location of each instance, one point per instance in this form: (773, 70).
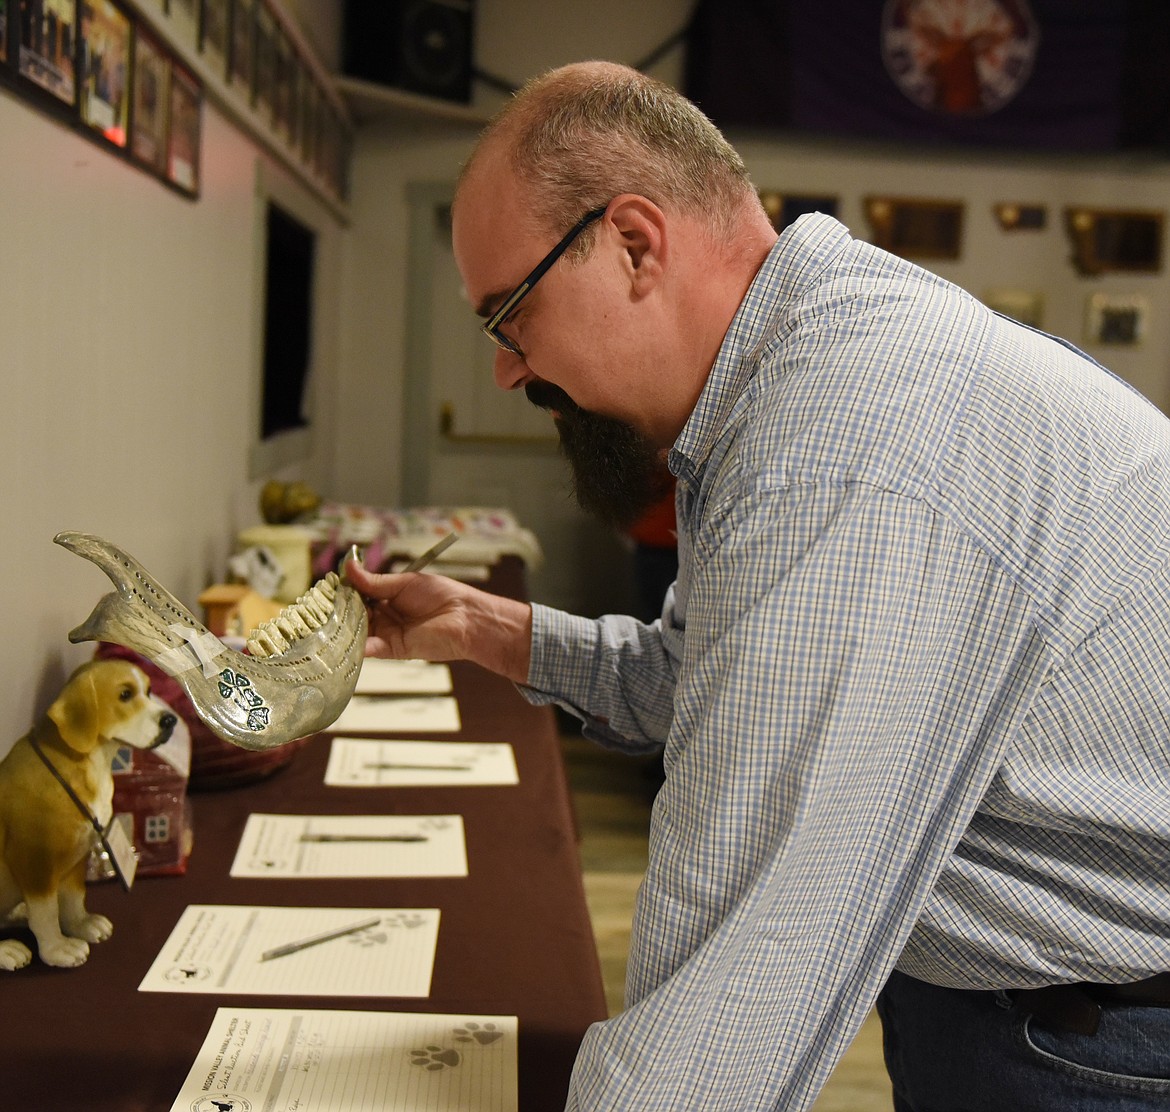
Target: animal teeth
(312, 608)
(260, 644)
(257, 701)
(297, 620)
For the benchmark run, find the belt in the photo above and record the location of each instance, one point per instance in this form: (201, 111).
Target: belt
(1077, 1008)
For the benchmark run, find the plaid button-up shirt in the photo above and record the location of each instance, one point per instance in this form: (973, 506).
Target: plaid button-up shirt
(913, 682)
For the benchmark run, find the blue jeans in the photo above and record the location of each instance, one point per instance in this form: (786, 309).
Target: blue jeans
(950, 1050)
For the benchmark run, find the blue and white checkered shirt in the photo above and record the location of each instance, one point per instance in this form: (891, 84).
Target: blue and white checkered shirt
(913, 682)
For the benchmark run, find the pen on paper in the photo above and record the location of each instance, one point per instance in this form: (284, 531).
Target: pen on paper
(424, 767)
(363, 838)
(432, 553)
(316, 939)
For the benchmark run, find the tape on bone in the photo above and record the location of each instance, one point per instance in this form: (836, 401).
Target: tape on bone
(200, 650)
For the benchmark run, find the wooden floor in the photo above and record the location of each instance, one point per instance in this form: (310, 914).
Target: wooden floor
(612, 795)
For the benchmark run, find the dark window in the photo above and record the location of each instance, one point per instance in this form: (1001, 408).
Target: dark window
(288, 323)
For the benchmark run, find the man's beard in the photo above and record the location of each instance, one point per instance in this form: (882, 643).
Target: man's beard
(617, 472)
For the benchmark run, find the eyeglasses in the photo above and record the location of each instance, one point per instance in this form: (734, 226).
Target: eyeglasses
(491, 328)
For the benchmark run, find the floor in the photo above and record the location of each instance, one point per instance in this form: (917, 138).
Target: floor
(612, 795)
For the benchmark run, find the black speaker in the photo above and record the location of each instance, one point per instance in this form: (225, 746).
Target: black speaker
(423, 46)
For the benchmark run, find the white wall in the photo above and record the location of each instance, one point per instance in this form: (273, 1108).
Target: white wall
(992, 258)
(129, 321)
(129, 316)
(516, 39)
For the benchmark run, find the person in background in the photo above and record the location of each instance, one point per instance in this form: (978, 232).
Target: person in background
(655, 556)
(913, 679)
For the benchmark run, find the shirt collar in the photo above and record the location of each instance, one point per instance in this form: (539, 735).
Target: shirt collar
(803, 250)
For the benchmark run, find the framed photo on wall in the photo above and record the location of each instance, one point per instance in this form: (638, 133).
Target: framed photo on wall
(213, 34)
(183, 135)
(915, 228)
(241, 62)
(285, 67)
(150, 102)
(105, 70)
(1113, 240)
(47, 37)
(184, 16)
(264, 87)
(309, 124)
(785, 208)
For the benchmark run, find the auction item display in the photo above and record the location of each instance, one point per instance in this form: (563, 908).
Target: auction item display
(56, 802)
(301, 671)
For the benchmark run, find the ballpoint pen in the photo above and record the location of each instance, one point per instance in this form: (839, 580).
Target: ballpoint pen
(313, 940)
(402, 765)
(432, 553)
(363, 838)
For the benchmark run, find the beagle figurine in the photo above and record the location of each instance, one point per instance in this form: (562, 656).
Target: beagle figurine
(45, 836)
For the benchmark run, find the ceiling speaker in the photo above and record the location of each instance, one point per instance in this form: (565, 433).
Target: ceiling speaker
(423, 46)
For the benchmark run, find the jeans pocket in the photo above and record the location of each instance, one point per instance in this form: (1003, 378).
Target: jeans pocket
(1130, 1052)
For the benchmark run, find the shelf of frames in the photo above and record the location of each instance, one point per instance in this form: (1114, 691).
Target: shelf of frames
(312, 135)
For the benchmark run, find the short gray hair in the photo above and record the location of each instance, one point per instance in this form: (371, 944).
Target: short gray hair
(583, 134)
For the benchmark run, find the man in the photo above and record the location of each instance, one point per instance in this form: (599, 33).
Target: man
(913, 680)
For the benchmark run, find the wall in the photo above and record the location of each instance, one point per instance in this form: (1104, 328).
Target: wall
(129, 315)
(518, 38)
(130, 325)
(991, 258)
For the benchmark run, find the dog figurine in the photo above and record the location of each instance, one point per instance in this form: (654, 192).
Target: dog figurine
(45, 840)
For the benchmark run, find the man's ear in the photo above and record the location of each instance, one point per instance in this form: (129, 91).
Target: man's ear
(642, 226)
(75, 713)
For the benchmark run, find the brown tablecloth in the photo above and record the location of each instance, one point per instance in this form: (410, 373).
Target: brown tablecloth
(514, 939)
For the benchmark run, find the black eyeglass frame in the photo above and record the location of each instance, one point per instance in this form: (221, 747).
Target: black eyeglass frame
(491, 327)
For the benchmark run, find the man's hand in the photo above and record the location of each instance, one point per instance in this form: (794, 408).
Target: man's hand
(430, 617)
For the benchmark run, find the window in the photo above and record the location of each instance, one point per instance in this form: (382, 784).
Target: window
(288, 322)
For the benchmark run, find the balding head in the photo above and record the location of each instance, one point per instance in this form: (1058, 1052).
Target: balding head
(578, 136)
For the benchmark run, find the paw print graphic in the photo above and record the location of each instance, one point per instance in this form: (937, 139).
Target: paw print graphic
(433, 1057)
(371, 936)
(485, 1034)
(409, 920)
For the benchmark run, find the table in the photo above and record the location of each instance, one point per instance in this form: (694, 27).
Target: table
(515, 936)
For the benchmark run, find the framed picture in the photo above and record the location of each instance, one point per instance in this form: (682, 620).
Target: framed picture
(1115, 319)
(1025, 306)
(105, 70)
(1014, 217)
(48, 31)
(151, 100)
(186, 102)
(241, 62)
(335, 153)
(284, 84)
(916, 229)
(213, 34)
(1110, 239)
(784, 208)
(184, 16)
(264, 86)
(308, 125)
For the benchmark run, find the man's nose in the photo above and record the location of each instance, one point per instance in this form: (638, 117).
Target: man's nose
(510, 370)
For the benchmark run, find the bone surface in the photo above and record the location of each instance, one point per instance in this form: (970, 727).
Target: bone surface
(296, 683)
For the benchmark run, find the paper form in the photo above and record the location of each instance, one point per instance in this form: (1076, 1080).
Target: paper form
(402, 677)
(301, 1060)
(311, 951)
(351, 846)
(437, 715)
(364, 763)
